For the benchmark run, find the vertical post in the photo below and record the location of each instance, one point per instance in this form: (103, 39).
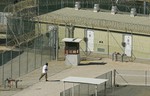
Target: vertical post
(73, 89)
(145, 78)
(35, 54)
(111, 78)
(88, 90)
(64, 89)
(96, 90)
(11, 63)
(144, 6)
(16, 83)
(41, 51)
(73, 2)
(57, 42)
(122, 56)
(105, 89)
(108, 40)
(7, 33)
(38, 6)
(50, 45)
(66, 31)
(19, 61)
(132, 46)
(86, 40)
(79, 90)
(114, 78)
(47, 6)
(27, 57)
(3, 67)
(61, 4)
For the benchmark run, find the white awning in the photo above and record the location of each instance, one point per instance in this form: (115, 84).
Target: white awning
(76, 40)
(84, 80)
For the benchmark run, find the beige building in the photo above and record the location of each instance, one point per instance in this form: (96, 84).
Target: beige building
(102, 32)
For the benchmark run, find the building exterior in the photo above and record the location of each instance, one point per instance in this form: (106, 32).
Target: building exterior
(102, 32)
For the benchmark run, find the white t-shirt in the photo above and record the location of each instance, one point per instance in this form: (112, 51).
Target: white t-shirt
(45, 69)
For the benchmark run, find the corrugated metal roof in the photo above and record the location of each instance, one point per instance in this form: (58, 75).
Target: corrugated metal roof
(100, 15)
(88, 18)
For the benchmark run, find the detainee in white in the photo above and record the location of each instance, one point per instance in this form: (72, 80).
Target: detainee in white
(44, 72)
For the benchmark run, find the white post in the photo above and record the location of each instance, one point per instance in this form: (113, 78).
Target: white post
(64, 89)
(96, 90)
(105, 89)
(73, 89)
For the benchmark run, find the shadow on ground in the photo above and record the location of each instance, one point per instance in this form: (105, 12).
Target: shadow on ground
(92, 63)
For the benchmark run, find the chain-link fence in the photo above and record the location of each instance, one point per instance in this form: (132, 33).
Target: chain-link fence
(132, 77)
(22, 60)
(119, 83)
(31, 47)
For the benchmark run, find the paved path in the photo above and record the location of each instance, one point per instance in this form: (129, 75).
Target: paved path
(30, 86)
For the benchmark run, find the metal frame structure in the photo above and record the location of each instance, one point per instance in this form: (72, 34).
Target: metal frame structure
(83, 80)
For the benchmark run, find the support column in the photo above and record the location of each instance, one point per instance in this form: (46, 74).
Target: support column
(73, 89)
(105, 89)
(108, 41)
(64, 89)
(70, 31)
(144, 6)
(114, 78)
(96, 90)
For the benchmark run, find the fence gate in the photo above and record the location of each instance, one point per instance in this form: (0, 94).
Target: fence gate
(53, 41)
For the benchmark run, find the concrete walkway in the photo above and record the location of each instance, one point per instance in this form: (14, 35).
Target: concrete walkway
(31, 86)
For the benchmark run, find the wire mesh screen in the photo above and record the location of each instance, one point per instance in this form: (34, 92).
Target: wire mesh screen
(124, 80)
(24, 59)
(108, 76)
(84, 90)
(132, 77)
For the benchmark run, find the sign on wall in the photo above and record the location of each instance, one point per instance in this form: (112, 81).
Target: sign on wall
(128, 45)
(90, 42)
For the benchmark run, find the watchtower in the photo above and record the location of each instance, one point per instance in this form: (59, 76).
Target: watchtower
(72, 51)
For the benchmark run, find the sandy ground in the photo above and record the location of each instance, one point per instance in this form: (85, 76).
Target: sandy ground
(31, 86)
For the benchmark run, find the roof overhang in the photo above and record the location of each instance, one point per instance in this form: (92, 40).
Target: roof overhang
(73, 40)
(84, 80)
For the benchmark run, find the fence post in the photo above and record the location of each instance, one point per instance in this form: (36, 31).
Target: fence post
(114, 77)
(3, 69)
(111, 78)
(11, 63)
(145, 78)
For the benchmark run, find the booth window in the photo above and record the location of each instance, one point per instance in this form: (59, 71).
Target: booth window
(71, 48)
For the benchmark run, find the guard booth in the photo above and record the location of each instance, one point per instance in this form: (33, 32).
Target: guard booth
(72, 51)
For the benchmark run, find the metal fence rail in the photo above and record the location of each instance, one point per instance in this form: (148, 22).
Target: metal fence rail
(132, 77)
